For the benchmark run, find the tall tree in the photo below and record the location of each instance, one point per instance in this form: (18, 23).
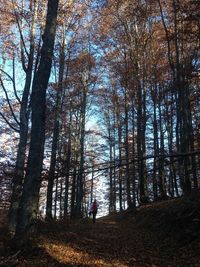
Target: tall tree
(24, 113)
(29, 201)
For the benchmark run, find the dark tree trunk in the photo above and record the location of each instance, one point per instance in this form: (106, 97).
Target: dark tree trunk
(56, 197)
(51, 175)
(181, 95)
(133, 156)
(75, 161)
(28, 207)
(172, 175)
(73, 191)
(110, 171)
(23, 136)
(128, 187)
(114, 169)
(92, 184)
(67, 169)
(144, 164)
(141, 164)
(162, 151)
(79, 192)
(183, 102)
(119, 129)
(61, 199)
(55, 136)
(156, 146)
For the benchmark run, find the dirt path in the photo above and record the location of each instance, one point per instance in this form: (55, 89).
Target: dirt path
(113, 243)
(149, 238)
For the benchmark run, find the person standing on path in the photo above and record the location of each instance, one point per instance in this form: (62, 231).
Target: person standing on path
(94, 210)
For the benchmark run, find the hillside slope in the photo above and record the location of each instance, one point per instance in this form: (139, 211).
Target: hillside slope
(159, 234)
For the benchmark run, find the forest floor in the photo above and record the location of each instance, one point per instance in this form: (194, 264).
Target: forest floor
(160, 234)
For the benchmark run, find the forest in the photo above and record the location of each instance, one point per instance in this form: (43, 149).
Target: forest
(99, 99)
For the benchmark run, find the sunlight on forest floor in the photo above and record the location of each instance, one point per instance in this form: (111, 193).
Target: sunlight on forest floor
(67, 255)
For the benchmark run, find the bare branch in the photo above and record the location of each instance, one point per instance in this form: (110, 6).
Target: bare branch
(113, 164)
(14, 84)
(9, 124)
(8, 101)
(20, 32)
(167, 36)
(14, 87)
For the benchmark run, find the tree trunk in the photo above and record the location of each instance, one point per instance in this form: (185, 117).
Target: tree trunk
(55, 136)
(155, 128)
(51, 175)
(143, 193)
(128, 188)
(73, 190)
(183, 99)
(61, 199)
(133, 157)
(162, 151)
(110, 137)
(28, 207)
(119, 129)
(114, 169)
(67, 169)
(23, 134)
(56, 197)
(79, 192)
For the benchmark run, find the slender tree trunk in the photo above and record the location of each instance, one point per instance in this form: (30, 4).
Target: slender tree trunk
(55, 136)
(128, 188)
(144, 121)
(191, 136)
(23, 134)
(61, 199)
(133, 157)
(92, 184)
(156, 150)
(75, 161)
(79, 192)
(51, 175)
(73, 191)
(161, 160)
(143, 193)
(56, 197)
(67, 169)
(119, 129)
(114, 170)
(169, 118)
(110, 137)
